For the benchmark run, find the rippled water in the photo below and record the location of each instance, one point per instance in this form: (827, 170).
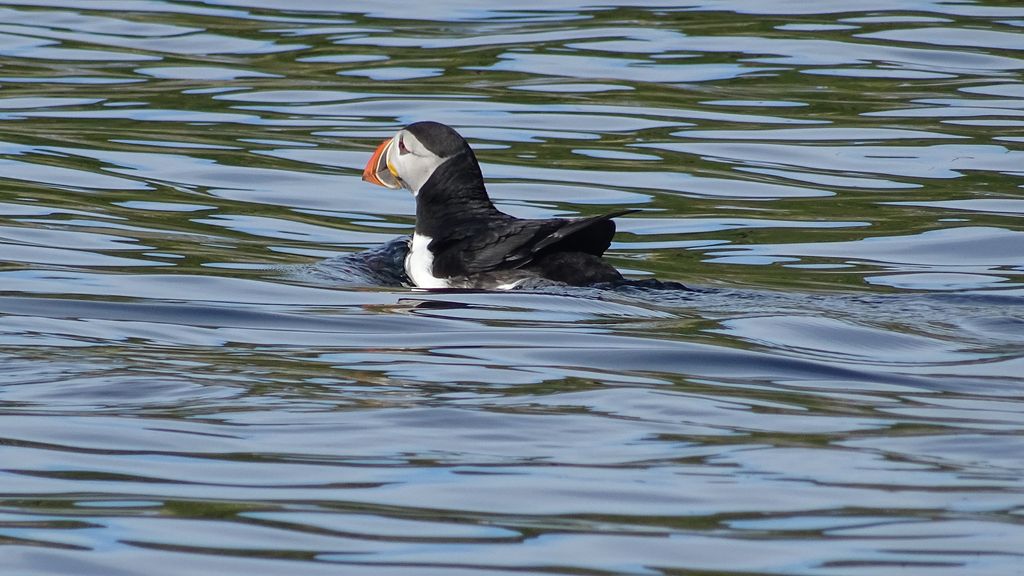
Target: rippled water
(196, 380)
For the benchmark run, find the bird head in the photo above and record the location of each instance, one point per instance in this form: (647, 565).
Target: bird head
(409, 158)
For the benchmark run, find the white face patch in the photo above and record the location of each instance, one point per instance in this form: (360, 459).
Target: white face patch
(411, 161)
(419, 264)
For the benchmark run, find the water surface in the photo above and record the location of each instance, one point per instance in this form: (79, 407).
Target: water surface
(194, 379)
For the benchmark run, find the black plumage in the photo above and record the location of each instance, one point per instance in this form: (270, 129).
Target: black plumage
(473, 242)
(462, 240)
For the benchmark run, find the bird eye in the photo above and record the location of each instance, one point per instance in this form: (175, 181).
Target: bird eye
(401, 146)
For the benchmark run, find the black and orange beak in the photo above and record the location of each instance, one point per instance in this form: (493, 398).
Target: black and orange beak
(377, 170)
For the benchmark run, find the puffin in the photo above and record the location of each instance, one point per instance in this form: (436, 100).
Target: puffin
(462, 241)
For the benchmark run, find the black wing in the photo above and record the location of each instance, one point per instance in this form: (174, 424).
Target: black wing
(513, 243)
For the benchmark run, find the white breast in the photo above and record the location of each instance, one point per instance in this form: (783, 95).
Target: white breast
(419, 264)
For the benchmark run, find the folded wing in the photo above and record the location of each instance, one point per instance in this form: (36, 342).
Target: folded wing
(514, 243)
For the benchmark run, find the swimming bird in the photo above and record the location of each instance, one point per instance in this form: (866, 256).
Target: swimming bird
(461, 240)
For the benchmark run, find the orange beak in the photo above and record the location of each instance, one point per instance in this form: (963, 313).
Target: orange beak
(377, 170)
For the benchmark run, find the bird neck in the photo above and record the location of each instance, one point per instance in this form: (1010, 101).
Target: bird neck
(453, 195)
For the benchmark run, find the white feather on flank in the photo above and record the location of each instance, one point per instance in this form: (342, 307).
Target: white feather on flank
(419, 264)
(510, 285)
